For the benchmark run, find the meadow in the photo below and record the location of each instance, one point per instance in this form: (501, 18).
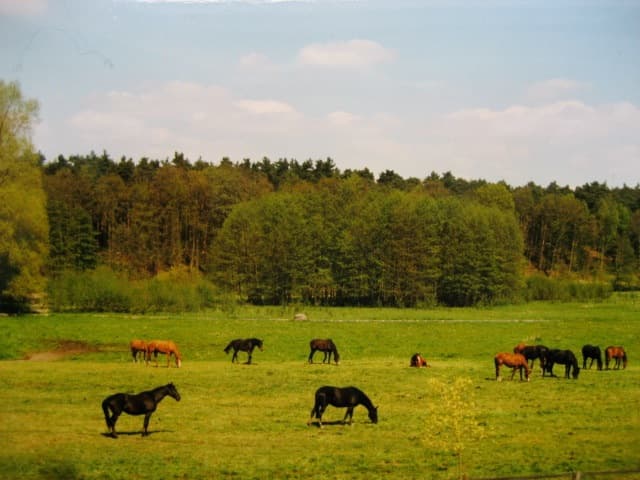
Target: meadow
(250, 421)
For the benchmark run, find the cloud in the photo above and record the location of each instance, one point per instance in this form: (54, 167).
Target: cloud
(261, 107)
(571, 142)
(349, 54)
(554, 89)
(23, 7)
(254, 60)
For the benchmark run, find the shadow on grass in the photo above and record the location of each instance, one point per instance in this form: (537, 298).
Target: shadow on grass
(134, 433)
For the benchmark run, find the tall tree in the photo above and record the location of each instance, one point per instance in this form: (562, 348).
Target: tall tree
(23, 218)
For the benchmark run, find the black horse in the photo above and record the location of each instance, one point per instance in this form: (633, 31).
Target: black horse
(144, 403)
(533, 352)
(349, 397)
(327, 347)
(563, 357)
(591, 352)
(244, 344)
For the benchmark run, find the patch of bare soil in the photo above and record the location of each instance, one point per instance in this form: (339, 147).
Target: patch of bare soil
(61, 349)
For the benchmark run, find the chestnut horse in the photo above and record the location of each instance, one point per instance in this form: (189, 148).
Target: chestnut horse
(327, 347)
(418, 361)
(513, 360)
(163, 346)
(591, 352)
(531, 352)
(349, 397)
(144, 403)
(615, 353)
(138, 346)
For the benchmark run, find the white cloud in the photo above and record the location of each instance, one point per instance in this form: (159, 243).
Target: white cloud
(254, 60)
(570, 142)
(350, 54)
(554, 89)
(261, 107)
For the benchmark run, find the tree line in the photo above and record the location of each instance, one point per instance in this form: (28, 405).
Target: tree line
(275, 232)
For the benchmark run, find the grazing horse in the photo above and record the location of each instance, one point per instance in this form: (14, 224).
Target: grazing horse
(144, 403)
(531, 353)
(513, 360)
(349, 397)
(327, 347)
(593, 352)
(244, 344)
(418, 361)
(618, 354)
(138, 346)
(563, 357)
(163, 346)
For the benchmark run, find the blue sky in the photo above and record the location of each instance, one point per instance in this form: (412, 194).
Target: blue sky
(515, 91)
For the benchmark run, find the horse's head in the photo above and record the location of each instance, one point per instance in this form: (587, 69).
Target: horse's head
(258, 344)
(576, 371)
(373, 414)
(172, 391)
(336, 356)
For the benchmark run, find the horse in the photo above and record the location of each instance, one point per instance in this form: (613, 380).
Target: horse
(144, 403)
(531, 353)
(618, 354)
(592, 352)
(327, 347)
(418, 361)
(244, 344)
(513, 360)
(138, 346)
(163, 346)
(563, 357)
(349, 397)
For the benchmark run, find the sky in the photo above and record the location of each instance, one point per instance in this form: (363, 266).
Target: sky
(520, 91)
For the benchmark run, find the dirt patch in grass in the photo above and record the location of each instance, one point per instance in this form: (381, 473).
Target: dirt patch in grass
(61, 349)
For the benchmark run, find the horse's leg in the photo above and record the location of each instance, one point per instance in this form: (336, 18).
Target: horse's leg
(498, 372)
(234, 357)
(147, 416)
(349, 415)
(513, 372)
(168, 359)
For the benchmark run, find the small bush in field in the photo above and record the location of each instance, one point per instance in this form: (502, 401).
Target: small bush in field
(452, 422)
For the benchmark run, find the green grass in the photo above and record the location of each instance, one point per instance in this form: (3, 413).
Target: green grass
(240, 421)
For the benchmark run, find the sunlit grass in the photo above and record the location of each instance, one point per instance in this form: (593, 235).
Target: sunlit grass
(241, 421)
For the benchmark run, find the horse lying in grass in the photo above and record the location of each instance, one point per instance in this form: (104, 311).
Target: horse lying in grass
(349, 397)
(144, 403)
(418, 361)
(326, 346)
(138, 346)
(513, 360)
(163, 346)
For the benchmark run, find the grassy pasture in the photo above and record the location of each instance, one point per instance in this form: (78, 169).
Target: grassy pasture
(241, 421)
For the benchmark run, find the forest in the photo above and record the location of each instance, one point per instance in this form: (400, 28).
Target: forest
(87, 229)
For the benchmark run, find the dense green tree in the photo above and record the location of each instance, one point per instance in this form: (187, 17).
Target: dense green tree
(23, 219)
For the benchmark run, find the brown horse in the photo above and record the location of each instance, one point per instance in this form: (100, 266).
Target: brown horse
(513, 360)
(615, 353)
(326, 346)
(138, 346)
(163, 346)
(418, 361)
